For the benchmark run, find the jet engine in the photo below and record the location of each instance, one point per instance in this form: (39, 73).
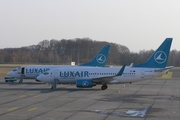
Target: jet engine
(85, 83)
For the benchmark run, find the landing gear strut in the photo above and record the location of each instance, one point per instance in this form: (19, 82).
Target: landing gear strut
(21, 79)
(104, 86)
(54, 84)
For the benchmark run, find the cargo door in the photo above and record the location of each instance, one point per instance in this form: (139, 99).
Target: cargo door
(142, 74)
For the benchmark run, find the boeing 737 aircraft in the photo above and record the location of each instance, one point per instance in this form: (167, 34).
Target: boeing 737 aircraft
(31, 72)
(85, 77)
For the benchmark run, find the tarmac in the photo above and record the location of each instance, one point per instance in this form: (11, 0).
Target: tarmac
(153, 99)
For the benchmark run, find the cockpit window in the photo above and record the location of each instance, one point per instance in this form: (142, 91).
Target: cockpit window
(15, 69)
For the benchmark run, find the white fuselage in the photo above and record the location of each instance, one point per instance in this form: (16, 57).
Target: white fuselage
(31, 72)
(70, 76)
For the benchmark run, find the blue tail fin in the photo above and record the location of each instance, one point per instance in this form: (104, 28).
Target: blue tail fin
(100, 59)
(160, 56)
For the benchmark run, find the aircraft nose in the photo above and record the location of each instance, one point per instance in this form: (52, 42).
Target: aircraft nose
(10, 73)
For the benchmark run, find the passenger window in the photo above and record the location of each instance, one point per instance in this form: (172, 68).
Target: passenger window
(46, 73)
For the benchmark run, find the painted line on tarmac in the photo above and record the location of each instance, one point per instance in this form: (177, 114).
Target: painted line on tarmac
(32, 109)
(36, 96)
(22, 96)
(168, 75)
(11, 109)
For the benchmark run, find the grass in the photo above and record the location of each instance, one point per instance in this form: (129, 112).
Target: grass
(4, 71)
(12, 65)
(168, 75)
(5, 68)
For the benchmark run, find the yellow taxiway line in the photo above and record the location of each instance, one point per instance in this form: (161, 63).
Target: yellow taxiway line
(32, 109)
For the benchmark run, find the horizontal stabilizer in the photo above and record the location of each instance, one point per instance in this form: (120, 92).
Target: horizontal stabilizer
(131, 65)
(166, 68)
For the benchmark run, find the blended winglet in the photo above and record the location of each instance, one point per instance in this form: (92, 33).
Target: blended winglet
(121, 71)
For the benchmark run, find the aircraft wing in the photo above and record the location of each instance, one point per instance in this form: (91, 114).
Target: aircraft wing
(109, 78)
(166, 68)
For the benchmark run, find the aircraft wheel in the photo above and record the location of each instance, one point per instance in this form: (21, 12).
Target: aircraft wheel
(51, 87)
(103, 87)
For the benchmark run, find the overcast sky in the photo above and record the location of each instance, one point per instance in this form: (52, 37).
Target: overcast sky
(137, 24)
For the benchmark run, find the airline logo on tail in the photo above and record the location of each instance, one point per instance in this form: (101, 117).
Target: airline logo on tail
(160, 57)
(101, 58)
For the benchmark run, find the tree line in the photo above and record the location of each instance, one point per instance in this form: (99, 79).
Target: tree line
(78, 50)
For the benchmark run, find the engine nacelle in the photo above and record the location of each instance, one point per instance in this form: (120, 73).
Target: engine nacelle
(37, 80)
(84, 83)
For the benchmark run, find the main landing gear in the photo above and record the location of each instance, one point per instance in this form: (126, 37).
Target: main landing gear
(104, 86)
(54, 85)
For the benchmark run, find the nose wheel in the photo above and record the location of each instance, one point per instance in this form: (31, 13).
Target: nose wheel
(104, 86)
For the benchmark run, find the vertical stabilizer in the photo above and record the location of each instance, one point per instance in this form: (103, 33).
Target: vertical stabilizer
(100, 59)
(160, 56)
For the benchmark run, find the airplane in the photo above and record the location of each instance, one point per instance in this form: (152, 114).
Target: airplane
(32, 71)
(86, 77)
